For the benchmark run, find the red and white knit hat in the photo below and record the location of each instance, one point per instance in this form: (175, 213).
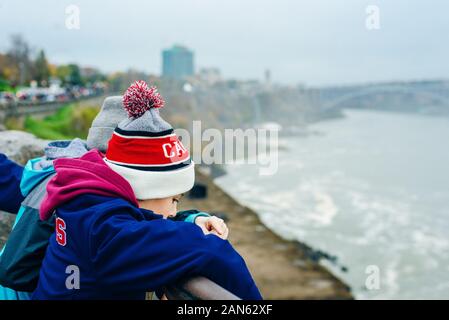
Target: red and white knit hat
(145, 150)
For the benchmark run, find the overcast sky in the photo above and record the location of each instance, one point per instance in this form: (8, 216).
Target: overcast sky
(315, 42)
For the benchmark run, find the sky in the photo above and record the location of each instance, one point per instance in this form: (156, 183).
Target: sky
(314, 43)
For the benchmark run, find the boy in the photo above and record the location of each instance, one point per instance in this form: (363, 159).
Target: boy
(110, 211)
(21, 258)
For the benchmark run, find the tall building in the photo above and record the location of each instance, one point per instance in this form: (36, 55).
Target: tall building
(267, 77)
(177, 62)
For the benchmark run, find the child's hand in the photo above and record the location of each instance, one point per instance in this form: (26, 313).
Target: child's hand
(213, 225)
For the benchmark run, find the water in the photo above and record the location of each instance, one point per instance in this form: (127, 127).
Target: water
(372, 189)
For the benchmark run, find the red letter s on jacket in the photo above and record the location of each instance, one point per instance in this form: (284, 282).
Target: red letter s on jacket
(60, 232)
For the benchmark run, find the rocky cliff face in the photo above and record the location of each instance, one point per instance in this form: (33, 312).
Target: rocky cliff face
(221, 107)
(21, 146)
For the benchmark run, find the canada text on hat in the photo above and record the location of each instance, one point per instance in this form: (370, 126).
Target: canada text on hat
(154, 162)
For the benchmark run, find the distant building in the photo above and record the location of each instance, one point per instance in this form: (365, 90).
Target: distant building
(177, 62)
(210, 75)
(267, 77)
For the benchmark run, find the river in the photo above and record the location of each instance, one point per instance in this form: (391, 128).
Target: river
(372, 189)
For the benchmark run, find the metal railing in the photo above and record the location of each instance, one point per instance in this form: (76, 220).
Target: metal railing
(21, 108)
(198, 288)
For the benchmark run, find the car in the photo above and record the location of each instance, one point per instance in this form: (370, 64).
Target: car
(6, 97)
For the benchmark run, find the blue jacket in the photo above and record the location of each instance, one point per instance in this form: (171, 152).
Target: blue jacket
(11, 197)
(22, 256)
(123, 251)
(115, 250)
(10, 176)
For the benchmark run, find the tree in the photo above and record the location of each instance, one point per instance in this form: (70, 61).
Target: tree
(91, 75)
(63, 73)
(8, 71)
(19, 59)
(69, 74)
(121, 80)
(75, 75)
(41, 69)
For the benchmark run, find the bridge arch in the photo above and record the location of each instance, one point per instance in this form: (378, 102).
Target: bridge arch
(383, 89)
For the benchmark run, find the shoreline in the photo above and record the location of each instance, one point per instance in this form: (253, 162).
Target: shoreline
(282, 269)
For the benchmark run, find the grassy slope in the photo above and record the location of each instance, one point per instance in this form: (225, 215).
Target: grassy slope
(67, 123)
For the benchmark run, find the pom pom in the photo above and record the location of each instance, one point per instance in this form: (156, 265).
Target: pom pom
(139, 98)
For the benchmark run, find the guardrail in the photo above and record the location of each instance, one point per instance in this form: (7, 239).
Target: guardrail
(198, 288)
(17, 109)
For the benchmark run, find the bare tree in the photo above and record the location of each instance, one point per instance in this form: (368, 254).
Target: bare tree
(19, 56)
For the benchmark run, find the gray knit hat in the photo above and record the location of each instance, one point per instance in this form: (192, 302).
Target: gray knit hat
(150, 121)
(105, 122)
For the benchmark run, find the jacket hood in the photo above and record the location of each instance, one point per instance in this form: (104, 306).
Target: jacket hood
(86, 175)
(32, 176)
(37, 170)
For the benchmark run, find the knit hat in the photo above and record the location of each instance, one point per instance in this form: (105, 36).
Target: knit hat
(105, 122)
(145, 150)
